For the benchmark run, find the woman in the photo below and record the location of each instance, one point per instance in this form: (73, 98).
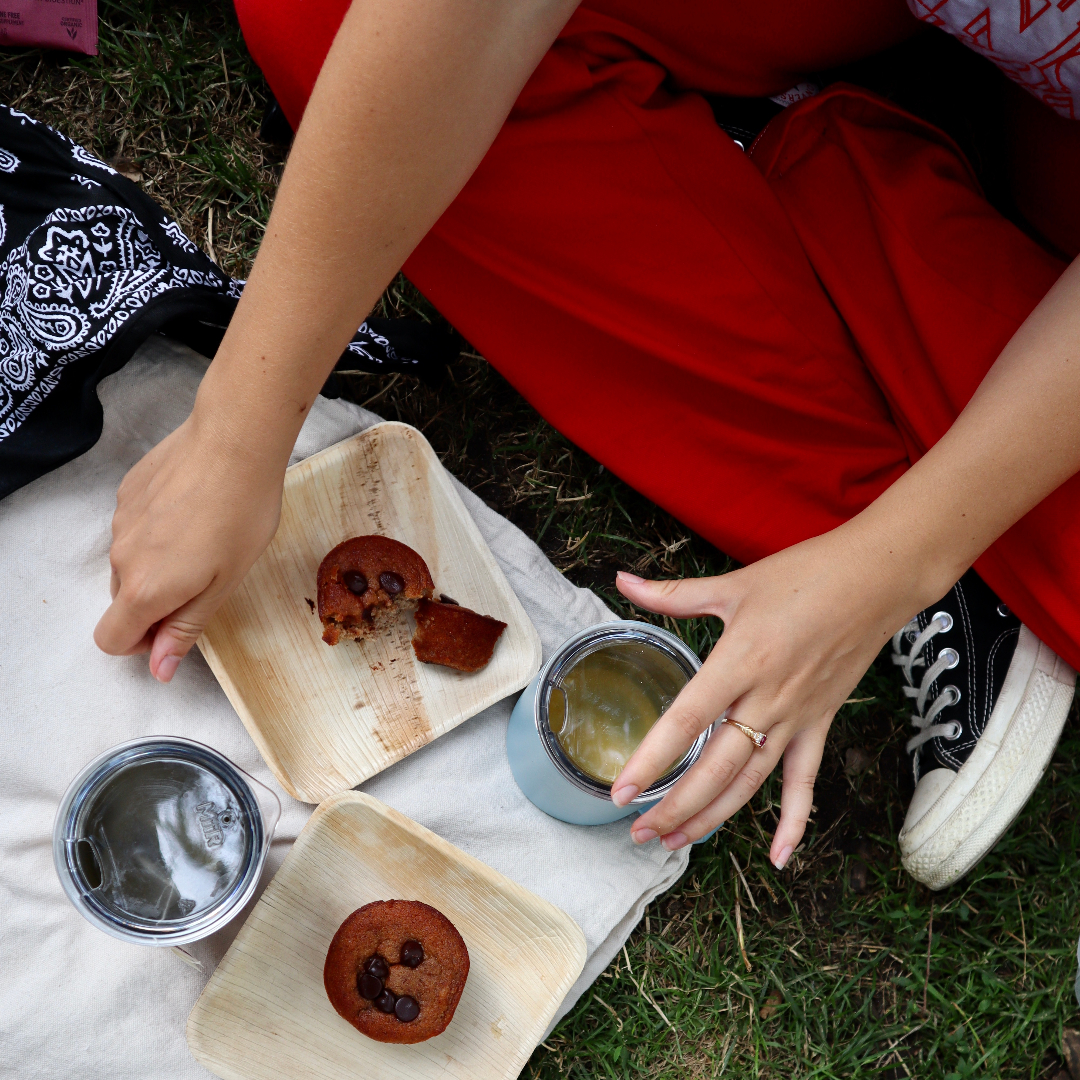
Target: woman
(828, 355)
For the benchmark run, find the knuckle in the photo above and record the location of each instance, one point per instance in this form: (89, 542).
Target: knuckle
(137, 591)
(667, 587)
(720, 771)
(665, 817)
(119, 551)
(755, 776)
(103, 640)
(758, 660)
(690, 721)
(668, 823)
(800, 784)
(184, 631)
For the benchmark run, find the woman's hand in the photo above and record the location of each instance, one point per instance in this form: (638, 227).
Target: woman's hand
(191, 518)
(410, 97)
(800, 629)
(802, 626)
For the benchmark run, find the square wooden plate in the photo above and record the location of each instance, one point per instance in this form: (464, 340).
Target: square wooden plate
(325, 719)
(264, 1015)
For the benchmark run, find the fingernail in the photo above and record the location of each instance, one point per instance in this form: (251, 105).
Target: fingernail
(782, 860)
(622, 796)
(674, 841)
(632, 578)
(166, 669)
(643, 836)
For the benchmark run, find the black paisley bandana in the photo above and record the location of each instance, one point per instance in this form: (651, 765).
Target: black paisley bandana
(90, 267)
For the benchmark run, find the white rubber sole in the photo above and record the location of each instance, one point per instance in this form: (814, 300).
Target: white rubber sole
(941, 843)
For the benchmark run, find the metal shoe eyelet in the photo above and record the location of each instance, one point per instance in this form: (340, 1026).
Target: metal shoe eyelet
(946, 621)
(953, 692)
(953, 658)
(1003, 611)
(911, 636)
(957, 730)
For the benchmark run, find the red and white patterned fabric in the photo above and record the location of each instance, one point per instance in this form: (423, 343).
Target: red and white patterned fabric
(1035, 42)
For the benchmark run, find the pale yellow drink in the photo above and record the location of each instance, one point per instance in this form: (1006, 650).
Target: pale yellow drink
(606, 703)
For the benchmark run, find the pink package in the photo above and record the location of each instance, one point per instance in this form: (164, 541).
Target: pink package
(50, 24)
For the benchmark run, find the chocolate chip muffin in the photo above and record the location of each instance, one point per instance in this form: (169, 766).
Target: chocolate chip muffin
(395, 970)
(454, 636)
(366, 582)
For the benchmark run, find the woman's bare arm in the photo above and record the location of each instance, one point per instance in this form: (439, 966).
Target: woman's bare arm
(410, 98)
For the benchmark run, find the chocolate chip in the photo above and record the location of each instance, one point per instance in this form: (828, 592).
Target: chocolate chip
(412, 953)
(406, 1009)
(355, 582)
(378, 967)
(448, 600)
(391, 582)
(370, 986)
(386, 1001)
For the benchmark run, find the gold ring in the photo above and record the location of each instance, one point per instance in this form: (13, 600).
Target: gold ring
(756, 737)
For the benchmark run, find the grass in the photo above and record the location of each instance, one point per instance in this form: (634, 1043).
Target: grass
(173, 99)
(841, 977)
(845, 966)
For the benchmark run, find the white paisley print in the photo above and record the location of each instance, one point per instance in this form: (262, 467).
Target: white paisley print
(176, 235)
(67, 289)
(360, 348)
(82, 273)
(84, 157)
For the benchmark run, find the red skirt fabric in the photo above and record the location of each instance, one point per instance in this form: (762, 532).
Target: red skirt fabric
(761, 343)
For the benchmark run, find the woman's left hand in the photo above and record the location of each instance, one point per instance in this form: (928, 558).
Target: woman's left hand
(801, 627)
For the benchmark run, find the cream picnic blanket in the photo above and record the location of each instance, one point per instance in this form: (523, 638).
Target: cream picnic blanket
(76, 1003)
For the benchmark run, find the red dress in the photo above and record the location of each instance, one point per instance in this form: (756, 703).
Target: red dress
(762, 342)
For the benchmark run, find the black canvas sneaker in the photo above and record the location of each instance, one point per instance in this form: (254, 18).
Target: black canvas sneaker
(990, 702)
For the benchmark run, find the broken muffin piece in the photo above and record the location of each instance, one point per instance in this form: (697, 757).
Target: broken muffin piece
(454, 636)
(366, 582)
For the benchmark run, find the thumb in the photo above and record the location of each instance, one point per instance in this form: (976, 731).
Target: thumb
(684, 598)
(176, 633)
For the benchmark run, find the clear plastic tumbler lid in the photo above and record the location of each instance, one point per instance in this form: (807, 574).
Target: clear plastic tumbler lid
(161, 841)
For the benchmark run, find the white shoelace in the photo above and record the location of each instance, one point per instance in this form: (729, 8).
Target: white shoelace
(941, 623)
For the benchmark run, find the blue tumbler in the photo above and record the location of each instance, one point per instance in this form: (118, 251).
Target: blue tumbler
(541, 767)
